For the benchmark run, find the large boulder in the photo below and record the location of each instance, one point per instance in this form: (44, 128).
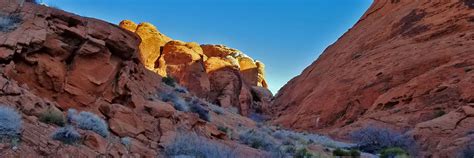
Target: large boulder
(261, 74)
(128, 25)
(249, 70)
(178, 52)
(151, 45)
(185, 64)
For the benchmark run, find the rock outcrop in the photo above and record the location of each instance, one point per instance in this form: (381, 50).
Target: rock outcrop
(51, 59)
(403, 65)
(223, 75)
(151, 45)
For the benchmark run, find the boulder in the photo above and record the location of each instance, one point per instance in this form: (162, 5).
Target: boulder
(219, 51)
(128, 25)
(178, 52)
(185, 64)
(249, 70)
(151, 45)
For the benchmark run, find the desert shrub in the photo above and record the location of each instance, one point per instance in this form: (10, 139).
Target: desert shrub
(345, 153)
(303, 153)
(354, 153)
(223, 129)
(180, 89)
(9, 22)
(373, 140)
(192, 145)
(126, 141)
(178, 103)
(257, 140)
(279, 134)
(52, 116)
(67, 135)
(257, 117)
(170, 81)
(439, 113)
(393, 153)
(216, 109)
(89, 121)
(196, 107)
(467, 151)
(10, 123)
(340, 152)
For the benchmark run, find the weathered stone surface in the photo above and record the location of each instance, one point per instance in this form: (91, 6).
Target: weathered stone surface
(249, 70)
(128, 25)
(57, 60)
(220, 51)
(403, 64)
(178, 52)
(185, 64)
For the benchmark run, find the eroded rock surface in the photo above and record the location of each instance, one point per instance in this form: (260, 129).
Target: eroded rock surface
(51, 59)
(403, 65)
(221, 74)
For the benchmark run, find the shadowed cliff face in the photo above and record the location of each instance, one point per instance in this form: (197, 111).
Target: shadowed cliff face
(403, 65)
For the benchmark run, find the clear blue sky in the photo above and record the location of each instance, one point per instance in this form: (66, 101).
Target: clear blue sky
(287, 35)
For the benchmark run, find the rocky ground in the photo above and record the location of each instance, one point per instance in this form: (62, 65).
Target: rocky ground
(80, 87)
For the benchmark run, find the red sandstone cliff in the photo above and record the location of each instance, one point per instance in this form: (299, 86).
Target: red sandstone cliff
(403, 65)
(51, 59)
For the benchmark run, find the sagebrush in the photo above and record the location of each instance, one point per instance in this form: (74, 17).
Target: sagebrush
(197, 107)
(10, 123)
(9, 22)
(89, 121)
(192, 145)
(178, 103)
(67, 135)
(374, 139)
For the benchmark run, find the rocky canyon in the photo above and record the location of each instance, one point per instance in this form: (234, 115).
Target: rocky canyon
(72, 86)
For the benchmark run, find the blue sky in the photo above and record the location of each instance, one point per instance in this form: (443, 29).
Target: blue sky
(287, 35)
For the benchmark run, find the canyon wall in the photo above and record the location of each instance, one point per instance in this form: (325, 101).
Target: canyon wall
(405, 65)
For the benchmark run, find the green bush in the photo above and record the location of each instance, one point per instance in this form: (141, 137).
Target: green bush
(223, 129)
(53, 116)
(170, 81)
(341, 152)
(439, 113)
(303, 153)
(354, 153)
(393, 152)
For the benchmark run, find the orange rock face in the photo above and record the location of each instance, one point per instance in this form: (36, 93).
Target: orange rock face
(404, 64)
(215, 72)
